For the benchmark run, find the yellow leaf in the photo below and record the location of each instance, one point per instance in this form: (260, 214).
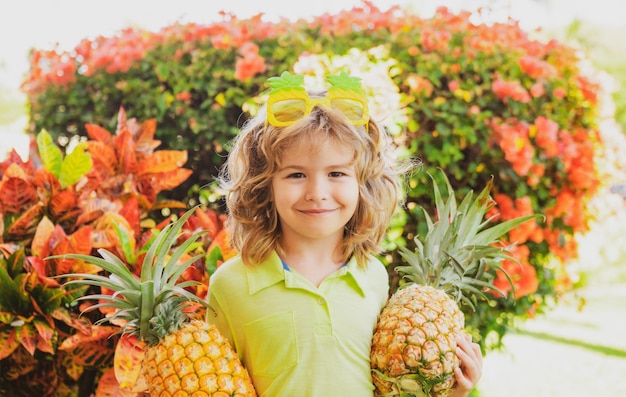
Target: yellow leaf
(220, 99)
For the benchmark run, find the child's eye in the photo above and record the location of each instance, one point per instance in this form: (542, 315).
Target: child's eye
(296, 175)
(336, 174)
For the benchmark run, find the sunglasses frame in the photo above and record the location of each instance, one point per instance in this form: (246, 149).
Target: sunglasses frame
(311, 103)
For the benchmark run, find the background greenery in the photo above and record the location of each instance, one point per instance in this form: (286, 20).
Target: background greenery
(196, 80)
(603, 56)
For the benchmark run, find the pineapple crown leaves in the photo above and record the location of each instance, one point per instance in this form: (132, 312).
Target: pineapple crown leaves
(169, 317)
(137, 300)
(286, 81)
(344, 81)
(459, 246)
(340, 81)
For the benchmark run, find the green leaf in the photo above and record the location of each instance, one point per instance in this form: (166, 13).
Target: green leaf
(212, 259)
(162, 71)
(162, 246)
(173, 270)
(108, 262)
(15, 263)
(51, 155)
(50, 299)
(126, 246)
(10, 299)
(75, 165)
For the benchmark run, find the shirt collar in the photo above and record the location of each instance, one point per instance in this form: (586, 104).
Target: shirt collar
(265, 274)
(271, 271)
(357, 274)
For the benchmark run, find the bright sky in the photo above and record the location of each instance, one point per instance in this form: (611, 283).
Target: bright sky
(42, 23)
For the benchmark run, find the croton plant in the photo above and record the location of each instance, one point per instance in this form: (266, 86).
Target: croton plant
(102, 194)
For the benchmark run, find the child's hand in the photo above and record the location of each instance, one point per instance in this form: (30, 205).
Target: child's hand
(471, 369)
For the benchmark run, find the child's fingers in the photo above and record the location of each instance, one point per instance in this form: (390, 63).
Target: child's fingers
(471, 359)
(462, 382)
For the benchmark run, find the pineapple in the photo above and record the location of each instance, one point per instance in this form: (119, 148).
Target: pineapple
(413, 348)
(182, 356)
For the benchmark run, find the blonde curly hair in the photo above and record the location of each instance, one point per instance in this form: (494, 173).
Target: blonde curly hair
(255, 157)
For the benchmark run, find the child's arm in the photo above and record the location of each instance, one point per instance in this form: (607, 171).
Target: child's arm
(471, 369)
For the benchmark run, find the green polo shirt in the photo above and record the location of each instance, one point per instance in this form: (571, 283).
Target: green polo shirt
(295, 339)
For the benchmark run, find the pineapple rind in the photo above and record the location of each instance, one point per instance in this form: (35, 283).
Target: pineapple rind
(211, 374)
(416, 333)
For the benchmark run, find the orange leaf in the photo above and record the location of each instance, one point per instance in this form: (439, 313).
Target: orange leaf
(27, 222)
(40, 246)
(46, 181)
(125, 148)
(16, 194)
(121, 120)
(46, 336)
(162, 161)
(80, 240)
(108, 387)
(165, 180)
(129, 354)
(105, 233)
(97, 333)
(98, 133)
(130, 212)
(8, 342)
(145, 139)
(209, 221)
(63, 204)
(27, 337)
(92, 350)
(80, 324)
(104, 158)
(223, 240)
(60, 245)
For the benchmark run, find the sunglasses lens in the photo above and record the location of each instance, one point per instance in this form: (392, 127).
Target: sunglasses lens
(288, 110)
(352, 109)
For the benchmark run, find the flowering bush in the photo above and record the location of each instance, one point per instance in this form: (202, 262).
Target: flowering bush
(478, 100)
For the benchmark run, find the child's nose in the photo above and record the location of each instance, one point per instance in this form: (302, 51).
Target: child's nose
(317, 190)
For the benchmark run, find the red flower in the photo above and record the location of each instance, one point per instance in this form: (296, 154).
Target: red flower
(536, 68)
(523, 276)
(184, 96)
(537, 90)
(512, 137)
(559, 93)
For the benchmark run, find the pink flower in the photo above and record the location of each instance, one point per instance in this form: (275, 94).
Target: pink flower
(559, 93)
(537, 90)
(546, 135)
(510, 89)
(250, 64)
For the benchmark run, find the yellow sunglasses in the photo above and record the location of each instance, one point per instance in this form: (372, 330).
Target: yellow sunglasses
(289, 102)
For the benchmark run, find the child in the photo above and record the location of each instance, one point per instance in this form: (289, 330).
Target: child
(310, 185)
